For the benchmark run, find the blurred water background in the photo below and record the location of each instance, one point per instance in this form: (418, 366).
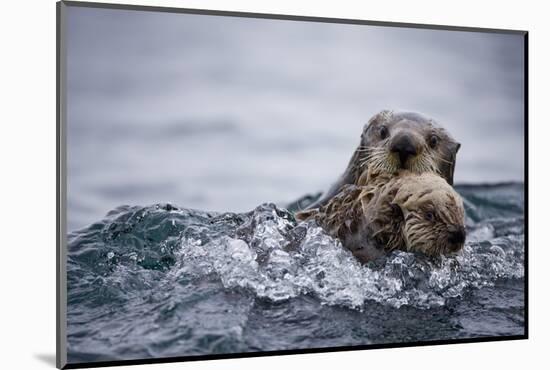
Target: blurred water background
(223, 114)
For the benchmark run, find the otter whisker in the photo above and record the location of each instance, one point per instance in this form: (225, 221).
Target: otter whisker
(369, 157)
(441, 159)
(374, 158)
(427, 164)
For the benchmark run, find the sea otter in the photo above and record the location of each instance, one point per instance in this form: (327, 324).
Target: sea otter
(405, 210)
(399, 140)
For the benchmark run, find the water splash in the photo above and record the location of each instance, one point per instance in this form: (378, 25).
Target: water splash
(266, 253)
(319, 265)
(166, 281)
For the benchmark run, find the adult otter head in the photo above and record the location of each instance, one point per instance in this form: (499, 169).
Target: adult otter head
(403, 140)
(433, 214)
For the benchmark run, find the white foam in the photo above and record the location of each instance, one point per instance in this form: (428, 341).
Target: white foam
(319, 265)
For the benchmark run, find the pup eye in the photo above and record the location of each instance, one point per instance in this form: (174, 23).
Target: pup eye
(383, 132)
(433, 141)
(430, 216)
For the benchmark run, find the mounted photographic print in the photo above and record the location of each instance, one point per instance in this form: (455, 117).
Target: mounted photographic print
(235, 184)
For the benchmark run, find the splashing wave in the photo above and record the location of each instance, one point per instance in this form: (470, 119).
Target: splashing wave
(266, 252)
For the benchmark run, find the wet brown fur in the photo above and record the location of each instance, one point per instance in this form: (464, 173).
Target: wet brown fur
(389, 211)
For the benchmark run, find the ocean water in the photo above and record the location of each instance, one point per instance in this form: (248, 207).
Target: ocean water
(161, 281)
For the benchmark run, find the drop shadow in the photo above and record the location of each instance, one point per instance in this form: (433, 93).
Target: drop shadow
(47, 358)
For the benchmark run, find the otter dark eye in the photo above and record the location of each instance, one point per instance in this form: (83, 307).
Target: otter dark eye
(383, 132)
(430, 216)
(433, 141)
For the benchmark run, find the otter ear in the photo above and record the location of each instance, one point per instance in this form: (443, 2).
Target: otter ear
(449, 170)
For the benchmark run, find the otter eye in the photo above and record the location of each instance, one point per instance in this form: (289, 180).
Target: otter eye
(433, 141)
(430, 216)
(383, 132)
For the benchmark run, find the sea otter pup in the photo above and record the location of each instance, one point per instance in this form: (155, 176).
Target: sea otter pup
(407, 211)
(399, 140)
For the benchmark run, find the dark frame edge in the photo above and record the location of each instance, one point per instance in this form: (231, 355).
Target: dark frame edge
(291, 352)
(526, 179)
(61, 252)
(287, 17)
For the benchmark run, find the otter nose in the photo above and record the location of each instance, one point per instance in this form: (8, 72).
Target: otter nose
(457, 234)
(404, 147)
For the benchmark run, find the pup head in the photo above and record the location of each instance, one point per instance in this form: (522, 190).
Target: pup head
(433, 214)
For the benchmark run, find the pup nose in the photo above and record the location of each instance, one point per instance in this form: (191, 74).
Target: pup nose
(457, 234)
(404, 147)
